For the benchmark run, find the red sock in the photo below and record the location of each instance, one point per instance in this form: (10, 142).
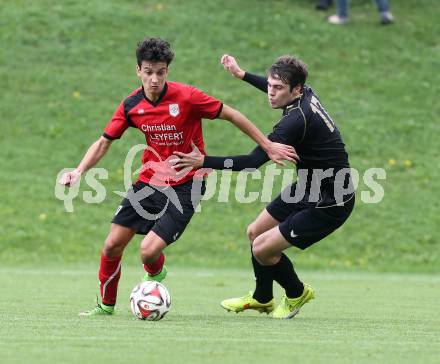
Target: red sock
(155, 267)
(109, 274)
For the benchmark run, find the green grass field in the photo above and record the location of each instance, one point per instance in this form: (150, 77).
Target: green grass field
(64, 68)
(355, 318)
(67, 65)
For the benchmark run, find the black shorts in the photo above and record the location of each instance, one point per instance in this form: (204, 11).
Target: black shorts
(166, 210)
(303, 223)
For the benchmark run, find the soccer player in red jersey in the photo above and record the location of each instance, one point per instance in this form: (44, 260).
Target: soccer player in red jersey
(161, 202)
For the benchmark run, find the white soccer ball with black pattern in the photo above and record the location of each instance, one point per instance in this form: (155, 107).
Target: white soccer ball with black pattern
(150, 300)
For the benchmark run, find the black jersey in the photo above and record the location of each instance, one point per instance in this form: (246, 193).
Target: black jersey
(306, 126)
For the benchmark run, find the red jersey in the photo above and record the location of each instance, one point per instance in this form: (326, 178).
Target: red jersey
(169, 125)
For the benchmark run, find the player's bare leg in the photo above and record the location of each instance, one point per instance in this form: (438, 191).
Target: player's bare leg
(268, 246)
(262, 223)
(152, 256)
(117, 240)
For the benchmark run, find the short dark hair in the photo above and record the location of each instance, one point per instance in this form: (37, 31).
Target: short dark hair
(290, 70)
(154, 50)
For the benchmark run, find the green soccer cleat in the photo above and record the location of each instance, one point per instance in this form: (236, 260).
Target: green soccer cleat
(247, 303)
(289, 307)
(159, 277)
(100, 309)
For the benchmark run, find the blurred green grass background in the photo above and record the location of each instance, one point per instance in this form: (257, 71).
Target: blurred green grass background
(65, 66)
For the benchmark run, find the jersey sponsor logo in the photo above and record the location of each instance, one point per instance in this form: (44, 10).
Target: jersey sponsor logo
(141, 111)
(158, 127)
(174, 110)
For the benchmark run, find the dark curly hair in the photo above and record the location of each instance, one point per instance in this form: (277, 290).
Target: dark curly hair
(290, 70)
(154, 50)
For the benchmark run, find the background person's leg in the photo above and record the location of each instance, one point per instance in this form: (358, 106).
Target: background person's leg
(382, 5)
(323, 4)
(384, 9)
(342, 6)
(341, 17)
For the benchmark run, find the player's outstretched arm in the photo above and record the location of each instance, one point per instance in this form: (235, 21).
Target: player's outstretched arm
(230, 64)
(195, 159)
(277, 152)
(93, 155)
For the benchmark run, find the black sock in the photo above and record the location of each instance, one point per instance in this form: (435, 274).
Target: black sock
(285, 276)
(263, 282)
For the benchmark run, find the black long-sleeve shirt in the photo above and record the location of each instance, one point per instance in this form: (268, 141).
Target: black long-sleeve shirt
(305, 125)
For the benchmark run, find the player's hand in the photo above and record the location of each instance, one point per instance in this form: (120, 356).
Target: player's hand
(230, 64)
(191, 160)
(278, 153)
(70, 178)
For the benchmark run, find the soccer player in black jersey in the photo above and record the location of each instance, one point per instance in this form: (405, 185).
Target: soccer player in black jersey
(318, 203)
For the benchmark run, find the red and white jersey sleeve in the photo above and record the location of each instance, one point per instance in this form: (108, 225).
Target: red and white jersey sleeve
(117, 125)
(203, 105)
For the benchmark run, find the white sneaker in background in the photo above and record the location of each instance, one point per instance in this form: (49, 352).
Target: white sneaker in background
(337, 20)
(386, 18)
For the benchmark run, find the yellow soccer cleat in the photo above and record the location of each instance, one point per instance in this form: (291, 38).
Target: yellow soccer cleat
(289, 307)
(247, 303)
